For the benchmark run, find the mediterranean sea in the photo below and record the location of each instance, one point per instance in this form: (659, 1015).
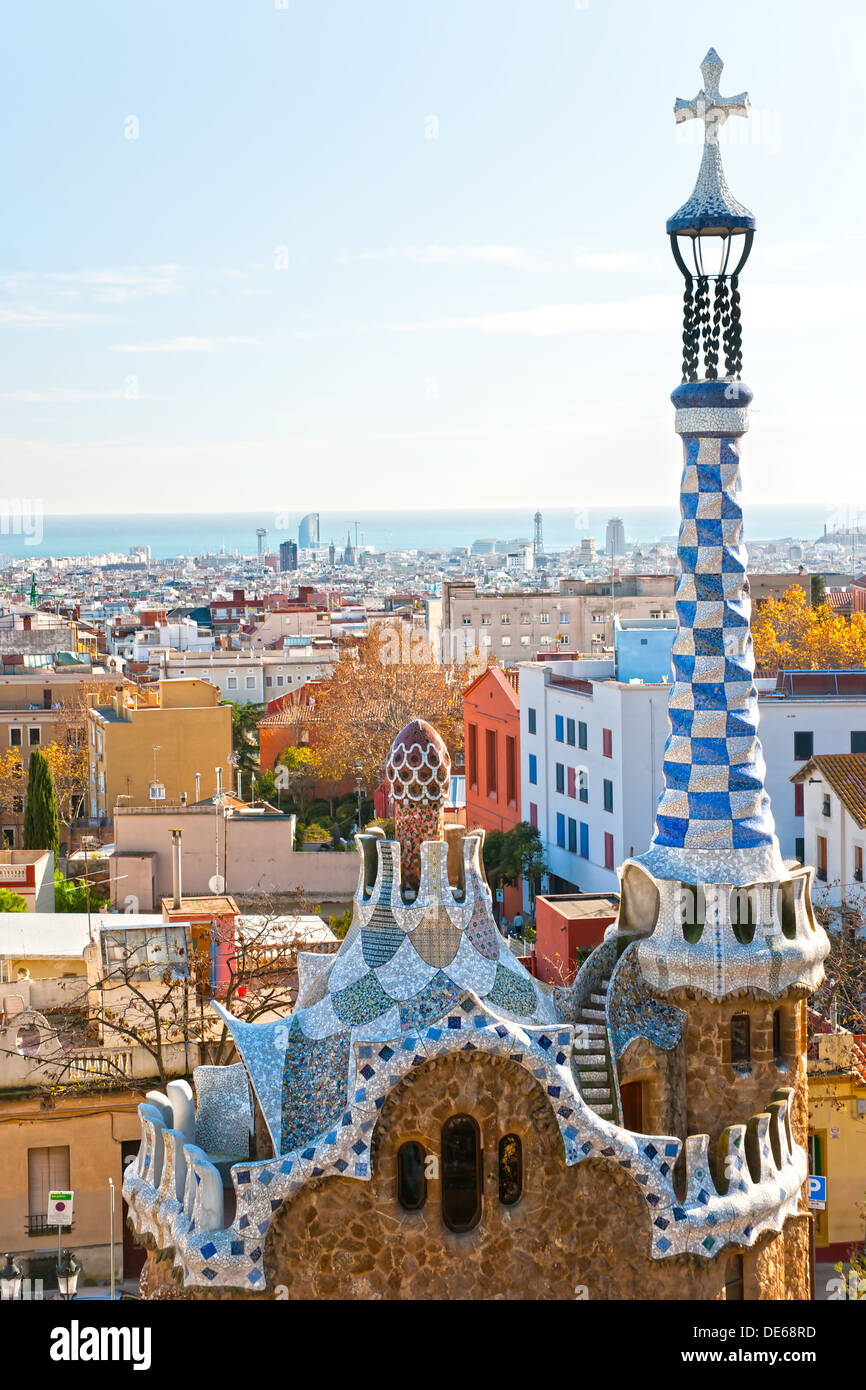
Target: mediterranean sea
(170, 534)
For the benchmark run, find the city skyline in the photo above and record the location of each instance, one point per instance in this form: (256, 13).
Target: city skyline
(355, 298)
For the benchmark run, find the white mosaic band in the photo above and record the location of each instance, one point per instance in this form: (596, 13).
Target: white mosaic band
(711, 420)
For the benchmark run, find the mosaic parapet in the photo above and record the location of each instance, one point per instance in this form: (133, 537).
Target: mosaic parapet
(184, 1219)
(720, 938)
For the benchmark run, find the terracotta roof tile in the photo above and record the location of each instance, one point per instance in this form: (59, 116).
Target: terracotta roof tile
(846, 774)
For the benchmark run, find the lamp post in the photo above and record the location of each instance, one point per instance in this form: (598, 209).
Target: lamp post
(68, 1270)
(358, 787)
(10, 1279)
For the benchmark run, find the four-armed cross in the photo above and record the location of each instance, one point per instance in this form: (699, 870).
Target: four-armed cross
(709, 105)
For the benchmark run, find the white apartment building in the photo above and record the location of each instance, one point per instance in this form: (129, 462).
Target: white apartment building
(184, 635)
(253, 677)
(834, 825)
(591, 753)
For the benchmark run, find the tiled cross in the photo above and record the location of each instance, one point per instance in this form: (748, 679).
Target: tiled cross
(709, 105)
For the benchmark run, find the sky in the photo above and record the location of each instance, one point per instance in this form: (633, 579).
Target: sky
(295, 254)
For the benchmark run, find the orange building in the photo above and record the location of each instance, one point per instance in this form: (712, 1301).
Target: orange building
(491, 730)
(291, 723)
(568, 926)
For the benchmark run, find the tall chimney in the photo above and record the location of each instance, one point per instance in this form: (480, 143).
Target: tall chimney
(240, 785)
(176, 876)
(198, 786)
(219, 777)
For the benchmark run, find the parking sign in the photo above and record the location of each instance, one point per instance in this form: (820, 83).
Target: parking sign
(817, 1192)
(60, 1208)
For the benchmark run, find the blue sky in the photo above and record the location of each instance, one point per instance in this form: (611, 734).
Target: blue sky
(283, 294)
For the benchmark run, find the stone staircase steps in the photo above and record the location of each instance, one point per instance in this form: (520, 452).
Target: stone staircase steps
(592, 1057)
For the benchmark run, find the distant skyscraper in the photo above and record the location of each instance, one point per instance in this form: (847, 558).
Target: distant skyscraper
(308, 531)
(262, 539)
(288, 555)
(614, 542)
(332, 554)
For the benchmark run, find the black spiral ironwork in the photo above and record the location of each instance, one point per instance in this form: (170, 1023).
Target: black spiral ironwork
(706, 331)
(734, 344)
(691, 340)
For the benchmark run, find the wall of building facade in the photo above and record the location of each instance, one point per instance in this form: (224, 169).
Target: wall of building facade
(637, 716)
(576, 1233)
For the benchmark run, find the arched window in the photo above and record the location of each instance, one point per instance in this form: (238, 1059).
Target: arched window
(461, 1173)
(741, 1042)
(734, 1279)
(510, 1170)
(411, 1180)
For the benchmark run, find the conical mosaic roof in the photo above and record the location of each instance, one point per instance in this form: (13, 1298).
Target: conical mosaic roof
(408, 962)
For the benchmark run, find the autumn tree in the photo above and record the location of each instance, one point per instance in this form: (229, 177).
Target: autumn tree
(295, 773)
(67, 763)
(11, 782)
(791, 633)
(376, 689)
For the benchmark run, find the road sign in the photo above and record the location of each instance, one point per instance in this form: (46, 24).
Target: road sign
(500, 895)
(60, 1208)
(817, 1193)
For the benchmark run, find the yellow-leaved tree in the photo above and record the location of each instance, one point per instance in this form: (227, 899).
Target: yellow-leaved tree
(375, 690)
(789, 632)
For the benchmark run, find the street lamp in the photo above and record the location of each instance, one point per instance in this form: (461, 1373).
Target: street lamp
(10, 1279)
(68, 1271)
(358, 786)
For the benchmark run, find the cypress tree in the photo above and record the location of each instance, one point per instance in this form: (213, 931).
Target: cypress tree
(41, 822)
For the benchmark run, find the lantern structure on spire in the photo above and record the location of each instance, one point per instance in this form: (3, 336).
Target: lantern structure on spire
(711, 215)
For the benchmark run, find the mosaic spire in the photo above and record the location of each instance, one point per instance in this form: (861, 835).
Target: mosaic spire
(714, 820)
(419, 776)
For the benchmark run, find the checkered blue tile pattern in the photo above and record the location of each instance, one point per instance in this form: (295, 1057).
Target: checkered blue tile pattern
(714, 797)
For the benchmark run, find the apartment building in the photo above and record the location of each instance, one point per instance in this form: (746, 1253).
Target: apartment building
(832, 789)
(253, 677)
(90, 1132)
(591, 758)
(147, 746)
(43, 704)
(579, 617)
(529, 626)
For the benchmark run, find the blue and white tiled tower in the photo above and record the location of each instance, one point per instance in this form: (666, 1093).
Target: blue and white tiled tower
(714, 832)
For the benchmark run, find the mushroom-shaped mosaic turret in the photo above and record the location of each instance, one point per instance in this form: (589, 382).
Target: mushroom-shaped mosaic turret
(419, 775)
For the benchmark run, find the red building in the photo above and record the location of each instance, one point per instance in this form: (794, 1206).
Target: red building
(491, 731)
(568, 926)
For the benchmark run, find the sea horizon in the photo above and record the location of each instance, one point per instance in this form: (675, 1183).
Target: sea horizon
(170, 534)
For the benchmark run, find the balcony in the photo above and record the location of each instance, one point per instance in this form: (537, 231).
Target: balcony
(100, 1063)
(39, 1225)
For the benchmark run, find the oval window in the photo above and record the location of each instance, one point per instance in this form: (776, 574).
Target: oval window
(28, 1040)
(411, 1182)
(510, 1170)
(461, 1173)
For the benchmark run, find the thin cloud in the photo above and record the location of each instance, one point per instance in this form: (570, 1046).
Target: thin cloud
(104, 285)
(787, 307)
(33, 316)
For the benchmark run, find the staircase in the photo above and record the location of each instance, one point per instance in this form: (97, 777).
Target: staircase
(592, 1056)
